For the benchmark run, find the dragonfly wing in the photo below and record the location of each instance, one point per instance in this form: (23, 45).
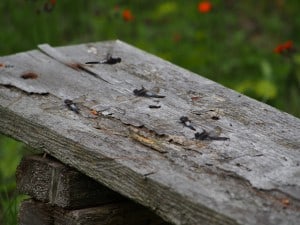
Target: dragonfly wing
(216, 132)
(80, 99)
(109, 55)
(155, 90)
(52, 106)
(84, 100)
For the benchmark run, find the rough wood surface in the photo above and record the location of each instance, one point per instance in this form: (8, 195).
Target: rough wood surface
(145, 153)
(37, 213)
(50, 181)
(111, 214)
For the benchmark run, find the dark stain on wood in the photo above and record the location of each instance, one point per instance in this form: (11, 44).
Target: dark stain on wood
(29, 75)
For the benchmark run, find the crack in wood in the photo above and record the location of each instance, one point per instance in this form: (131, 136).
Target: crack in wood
(15, 87)
(274, 195)
(145, 139)
(279, 199)
(59, 57)
(54, 185)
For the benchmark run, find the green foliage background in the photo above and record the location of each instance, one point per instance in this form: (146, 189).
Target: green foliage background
(232, 45)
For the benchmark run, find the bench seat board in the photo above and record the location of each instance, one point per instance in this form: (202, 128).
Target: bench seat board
(146, 153)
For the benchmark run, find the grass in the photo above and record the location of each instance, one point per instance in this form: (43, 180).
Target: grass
(9, 205)
(233, 44)
(10, 156)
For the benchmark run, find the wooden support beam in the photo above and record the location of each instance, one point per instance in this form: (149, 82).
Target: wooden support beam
(48, 180)
(35, 213)
(126, 213)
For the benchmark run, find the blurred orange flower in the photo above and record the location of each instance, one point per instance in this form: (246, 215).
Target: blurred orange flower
(49, 5)
(284, 47)
(204, 6)
(127, 15)
(288, 45)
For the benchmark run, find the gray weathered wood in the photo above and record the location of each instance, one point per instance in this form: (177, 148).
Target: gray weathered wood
(146, 154)
(50, 181)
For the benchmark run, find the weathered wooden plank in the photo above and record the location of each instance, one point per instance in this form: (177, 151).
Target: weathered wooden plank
(146, 153)
(50, 181)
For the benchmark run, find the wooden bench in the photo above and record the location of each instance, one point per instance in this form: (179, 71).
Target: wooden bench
(199, 153)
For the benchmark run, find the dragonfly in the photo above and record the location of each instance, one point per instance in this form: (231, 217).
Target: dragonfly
(109, 60)
(75, 105)
(71, 105)
(213, 135)
(143, 92)
(186, 122)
